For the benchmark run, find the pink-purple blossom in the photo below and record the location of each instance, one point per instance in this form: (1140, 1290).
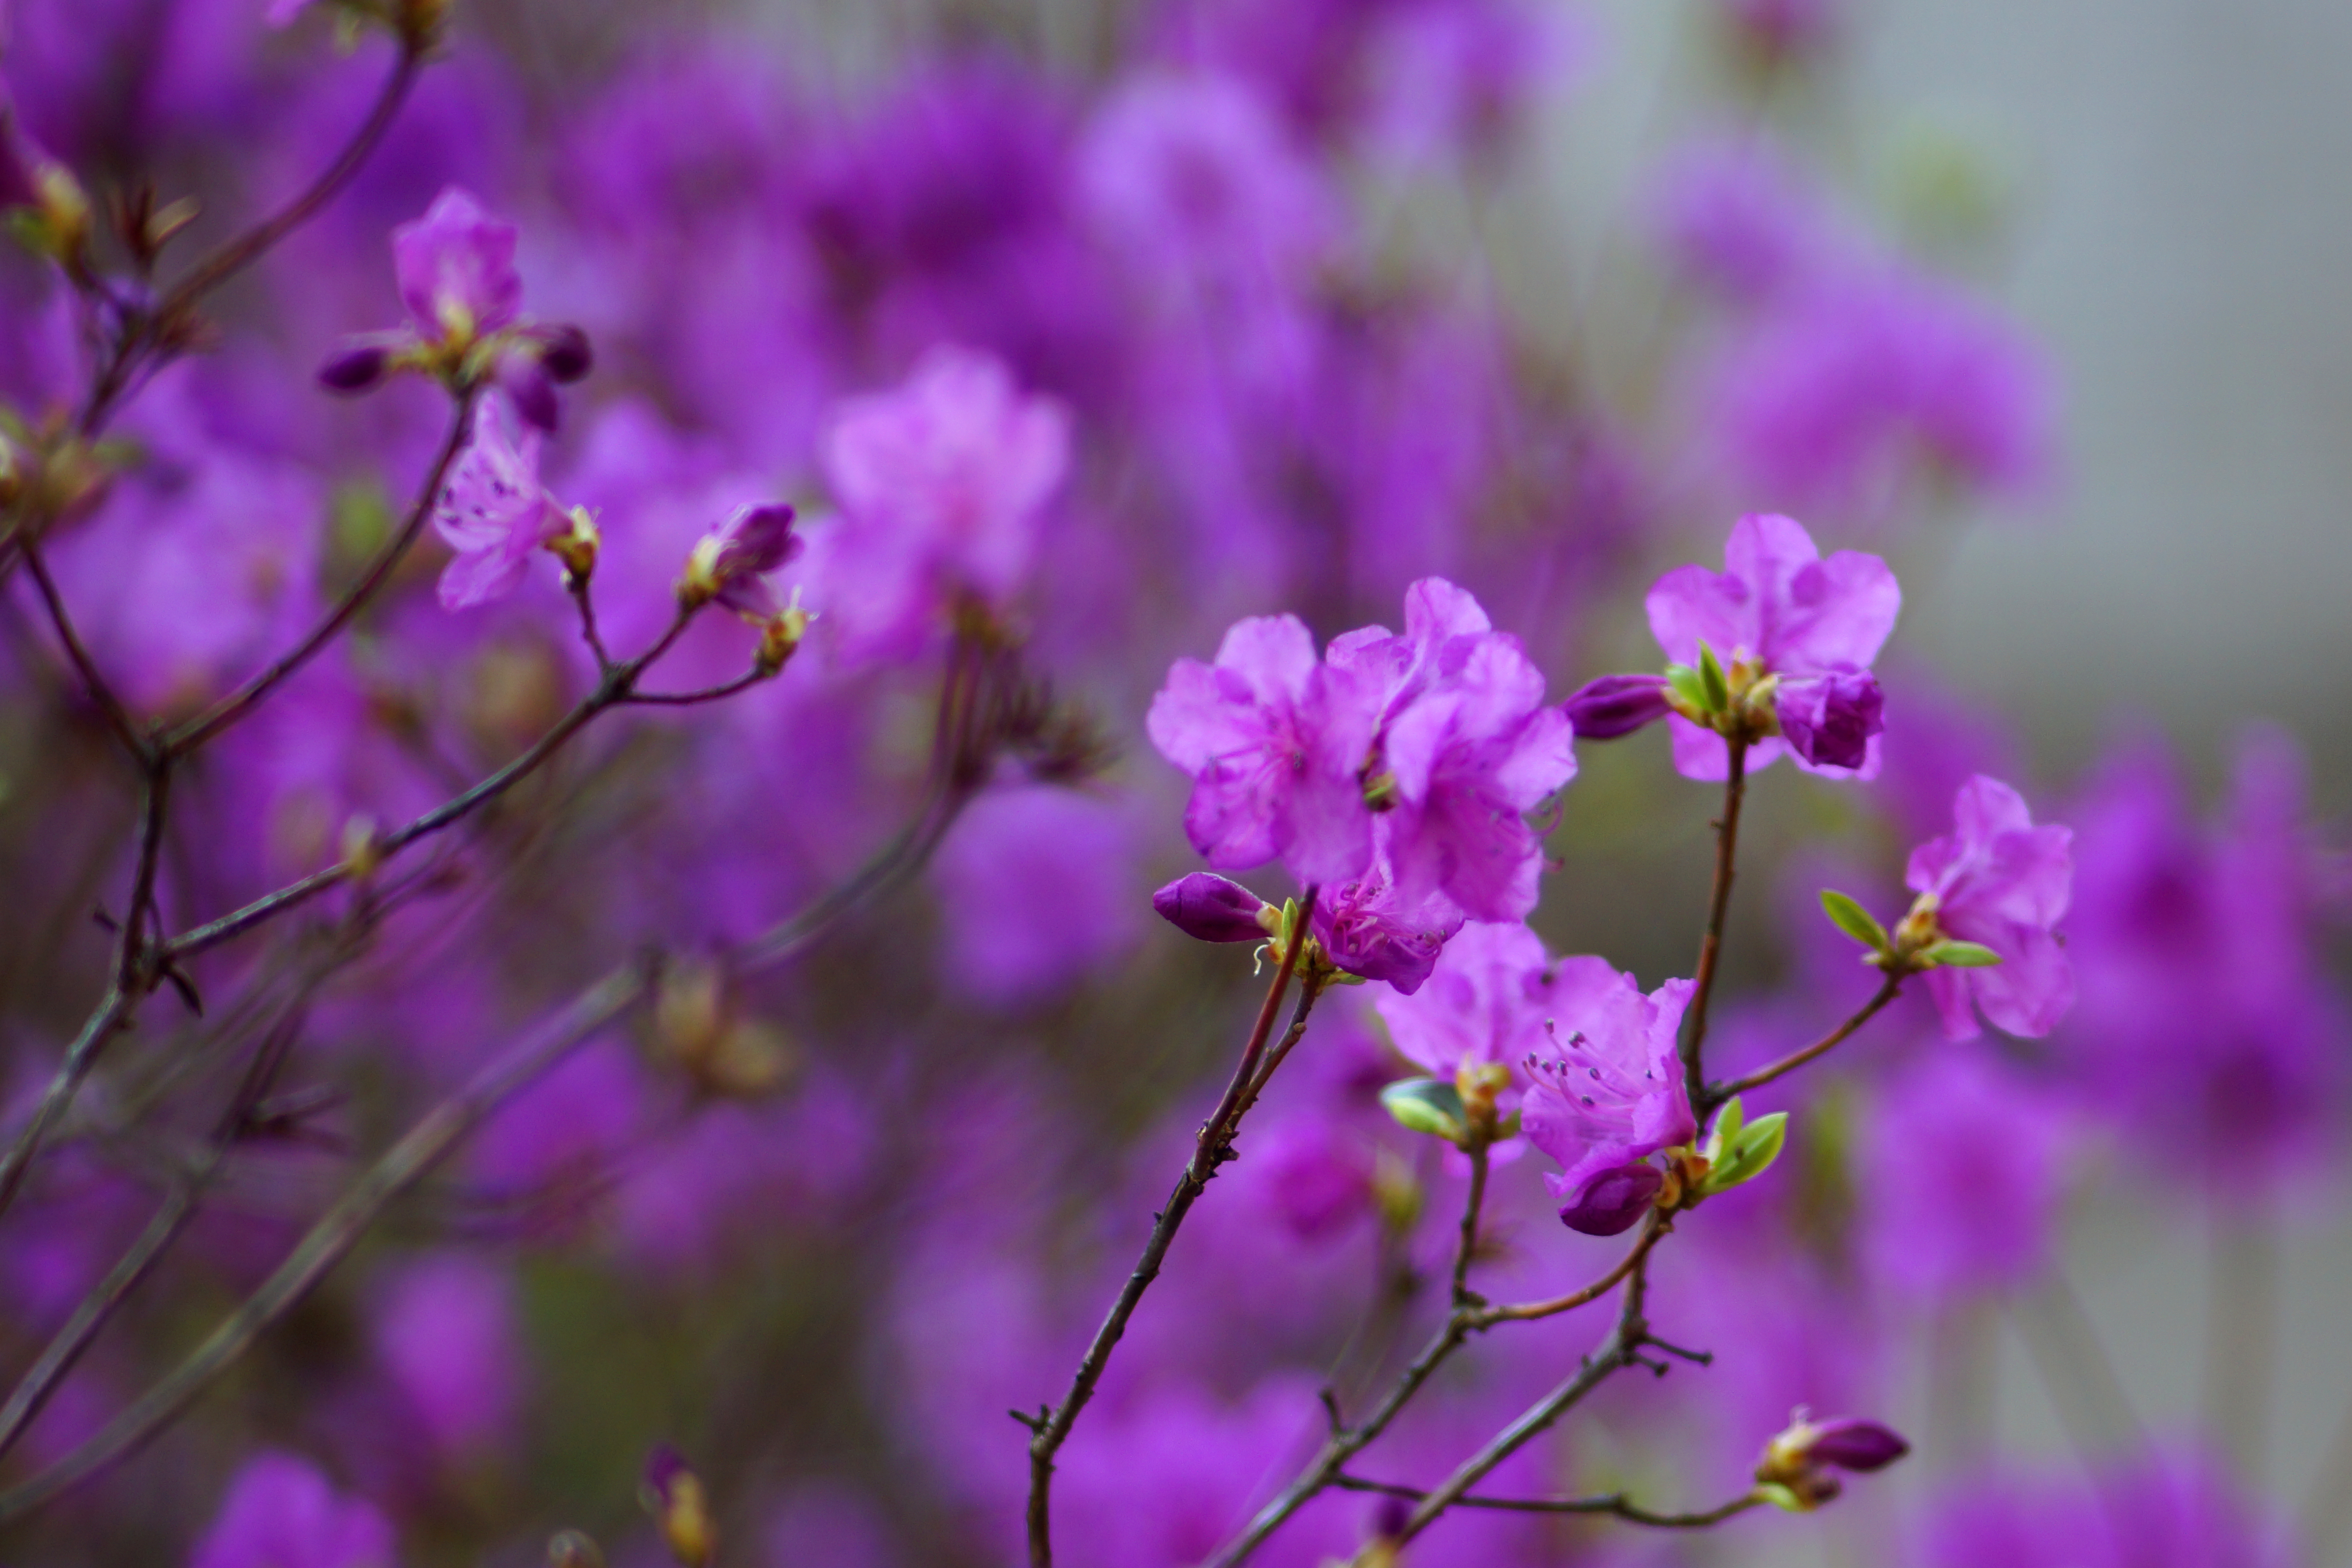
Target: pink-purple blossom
(1607, 1092)
(943, 483)
(494, 512)
(1814, 624)
(1998, 881)
(456, 267)
(281, 1512)
(1274, 741)
(1372, 928)
(1487, 1003)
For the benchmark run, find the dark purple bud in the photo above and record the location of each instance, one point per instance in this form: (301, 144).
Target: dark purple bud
(1829, 719)
(1851, 1444)
(356, 366)
(533, 391)
(1389, 1518)
(1612, 1201)
(563, 350)
(759, 539)
(1616, 705)
(1207, 908)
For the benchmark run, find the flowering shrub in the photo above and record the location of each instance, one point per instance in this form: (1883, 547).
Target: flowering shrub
(619, 815)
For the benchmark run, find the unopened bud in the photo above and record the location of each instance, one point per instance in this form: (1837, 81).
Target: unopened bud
(1611, 1202)
(1829, 720)
(1616, 705)
(562, 350)
(780, 635)
(577, 548)
(1792, 1473)
(356, 366)
(532, 390)
(1210, 907)
(680, 1506)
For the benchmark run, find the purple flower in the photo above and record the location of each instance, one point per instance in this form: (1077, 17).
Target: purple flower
(1964, 1162)
(281, 1513)
(1486, 1002)
(1470, 747)
(1210, 907)
(1274, 741)
(494, 512)
(1840, 393)
(1196, 180)
(943, 482)
(446, 1340)
(732, 562)
(1607, 1092)
(1037, 886)
(1778, 610)
(1370, 929)
(1829, 720)
(1736, 214)
(1998, 881)
(2208, 1025)
(456, 268)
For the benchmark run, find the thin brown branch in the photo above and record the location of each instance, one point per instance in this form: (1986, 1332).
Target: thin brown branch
(1211, 1149)
(1719, 905)
(407, 1163)
(1711, 1098)
(117, 718)
(235, 706)
(1614, 1504)
(159, 328)
(1653, 1232)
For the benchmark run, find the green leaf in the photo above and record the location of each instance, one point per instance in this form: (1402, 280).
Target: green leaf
(1961, 956)
(1426, 1105)
(1749, 1154)
(1710, 674)
(1848, 915)
(1687, 685)
(1726, 1128)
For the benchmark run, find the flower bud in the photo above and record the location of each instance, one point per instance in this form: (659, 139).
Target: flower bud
(780, 635)
(1853, 1443)
(1208, 908)
(731, 562)
(532, 390)
(358, 365)
(1616, 705)
(1614, 1201)
(563, 348)
(578, 548)
(675, 1498)
(1791, 1470)
(1829, 720)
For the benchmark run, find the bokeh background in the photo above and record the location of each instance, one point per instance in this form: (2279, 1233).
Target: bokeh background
(1483, 312)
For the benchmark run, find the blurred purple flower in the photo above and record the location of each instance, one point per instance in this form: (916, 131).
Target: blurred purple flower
(2164, 1510)
(1607, 1092)
(943, 483)
(456, 268)
(1735, 213)
(1958, 1167)
(445, 1337)
(1037, 886)
(2208, 1025)
(2001, 881)
(1816, 624)
(282, 1513)
(494, 512)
